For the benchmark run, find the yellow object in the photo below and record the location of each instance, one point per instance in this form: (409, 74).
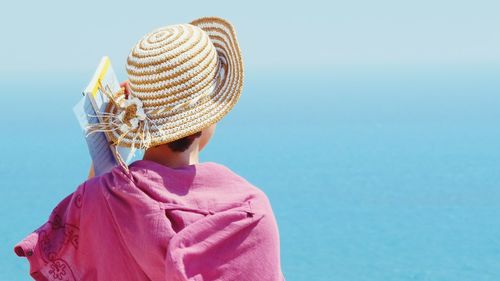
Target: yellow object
(104, 69)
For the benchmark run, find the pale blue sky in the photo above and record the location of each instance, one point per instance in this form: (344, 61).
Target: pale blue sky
(70, 36)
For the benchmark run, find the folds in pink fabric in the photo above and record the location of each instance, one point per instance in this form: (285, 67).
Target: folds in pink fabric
(200, 222)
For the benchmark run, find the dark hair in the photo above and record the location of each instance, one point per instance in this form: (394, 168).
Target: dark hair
(181, 145)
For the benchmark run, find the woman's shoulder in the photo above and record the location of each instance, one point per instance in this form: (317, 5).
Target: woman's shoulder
(237, 182)
(98, 186)
(224, 173)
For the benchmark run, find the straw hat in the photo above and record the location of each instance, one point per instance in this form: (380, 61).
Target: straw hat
(182, 79)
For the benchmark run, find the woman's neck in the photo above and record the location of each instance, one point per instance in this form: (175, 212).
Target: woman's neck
(164, 156)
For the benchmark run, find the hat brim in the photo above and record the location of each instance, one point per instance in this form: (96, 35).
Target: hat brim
(223, 36)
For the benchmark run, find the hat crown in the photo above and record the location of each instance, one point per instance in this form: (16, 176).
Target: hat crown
(172, 65)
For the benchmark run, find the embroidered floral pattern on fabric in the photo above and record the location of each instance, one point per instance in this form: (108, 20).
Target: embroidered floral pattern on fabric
(71, 234)
(57, 222)
(79, 197)
(59, 270)
(53, 241)
(78, 201)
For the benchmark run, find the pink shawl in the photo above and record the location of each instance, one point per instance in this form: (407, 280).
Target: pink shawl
(200, 222)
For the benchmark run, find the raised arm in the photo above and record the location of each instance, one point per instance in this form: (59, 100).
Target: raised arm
(91, 171)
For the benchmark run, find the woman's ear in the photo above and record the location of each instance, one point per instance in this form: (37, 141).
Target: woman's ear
(206, 135)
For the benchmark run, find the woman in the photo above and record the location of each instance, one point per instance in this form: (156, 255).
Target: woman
(166, 217)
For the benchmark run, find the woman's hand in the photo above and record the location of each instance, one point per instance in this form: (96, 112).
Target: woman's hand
(126, 86)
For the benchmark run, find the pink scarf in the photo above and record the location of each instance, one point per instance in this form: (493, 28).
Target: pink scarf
(199, 222)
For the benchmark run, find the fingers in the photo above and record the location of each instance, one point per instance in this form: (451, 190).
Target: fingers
(126, 86)
(124, 83)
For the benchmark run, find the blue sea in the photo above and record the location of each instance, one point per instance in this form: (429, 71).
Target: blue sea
(374, 173)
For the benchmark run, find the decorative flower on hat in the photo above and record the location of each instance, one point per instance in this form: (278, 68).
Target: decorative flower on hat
(131, 115)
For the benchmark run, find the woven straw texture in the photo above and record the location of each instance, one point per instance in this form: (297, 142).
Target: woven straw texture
(185, 77)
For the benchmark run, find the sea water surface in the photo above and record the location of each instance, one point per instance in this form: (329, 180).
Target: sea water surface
(374, 173)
